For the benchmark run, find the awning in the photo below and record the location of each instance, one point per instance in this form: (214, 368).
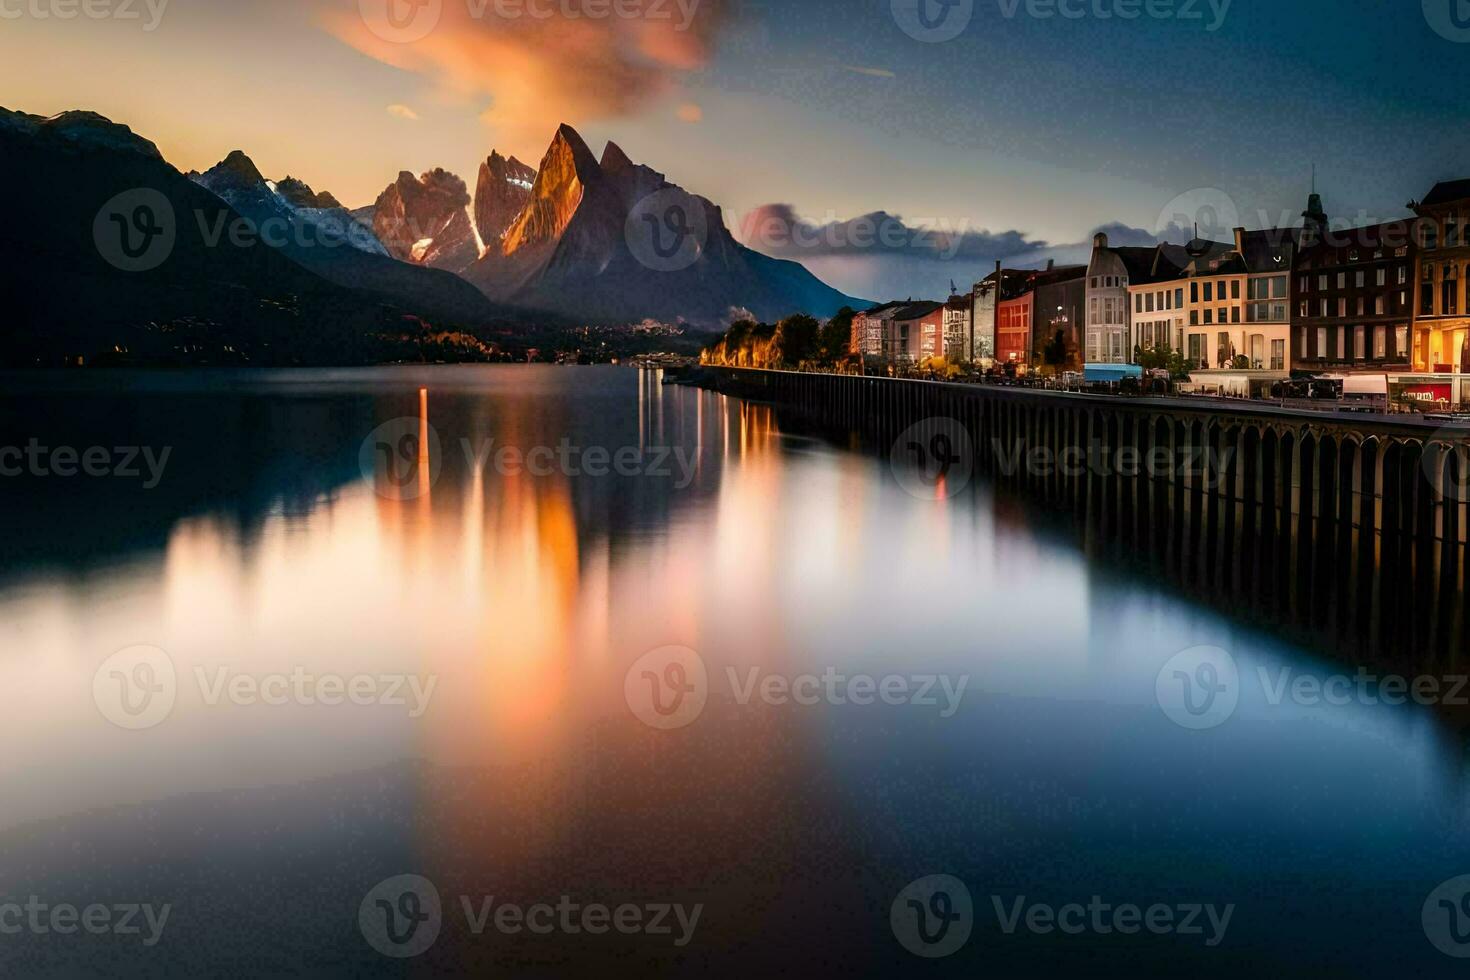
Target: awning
(1365, 384)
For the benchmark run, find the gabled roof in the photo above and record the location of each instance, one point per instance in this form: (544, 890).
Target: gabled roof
(1138, 260)
(916, 311)
(1270, 249)
(1446, 192)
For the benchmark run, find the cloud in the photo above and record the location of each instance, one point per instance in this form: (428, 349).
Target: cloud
(402, 112)
(875, 72)
(533, 63)
(690, 113)
(883, 255)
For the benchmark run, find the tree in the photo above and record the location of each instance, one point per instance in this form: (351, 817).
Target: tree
(834, 342)
(794, 341)
(1054, 354)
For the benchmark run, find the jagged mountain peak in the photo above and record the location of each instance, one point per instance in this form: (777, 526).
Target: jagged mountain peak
(576, 246)
(614, 159)
(424, 220)
(240, 166)
(298, 194)
(503, 189)
(569, 151)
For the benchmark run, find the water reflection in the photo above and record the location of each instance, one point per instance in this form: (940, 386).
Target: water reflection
(526, 598)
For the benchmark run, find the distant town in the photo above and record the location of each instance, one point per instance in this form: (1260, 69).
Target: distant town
(1377, 311)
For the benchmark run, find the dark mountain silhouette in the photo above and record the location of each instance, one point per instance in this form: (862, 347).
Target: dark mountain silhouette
(109, 247)
(324, 237)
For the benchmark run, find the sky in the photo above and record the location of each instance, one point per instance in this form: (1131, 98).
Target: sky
(891, 145)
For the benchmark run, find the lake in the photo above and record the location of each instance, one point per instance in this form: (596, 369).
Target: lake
(558, 671)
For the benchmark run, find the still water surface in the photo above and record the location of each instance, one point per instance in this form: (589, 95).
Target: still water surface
(508, 612)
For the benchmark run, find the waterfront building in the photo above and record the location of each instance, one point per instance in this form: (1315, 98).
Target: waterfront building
(899, 332)
(958, 314)
(1109, 334)
(987, 295)
(917, 332)
(870, 327)
(1354, 300)
(1013, 323)
(1441, 323)
(1228, 308)
(1059, 312)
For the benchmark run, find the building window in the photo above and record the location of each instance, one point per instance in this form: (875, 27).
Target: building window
(1304, 284)
(1362, 305)
(1209, 315)
(1322, 343)
(1450, 292)
(1380, 343)
(1209, 292)
(1197, 348)
(1451, 232)
(1431, 234)
(1234, 289)
(1303, 308)
(1382, 276)
(1401, 342)
(1194, 292)
(1278, 355)
(1322, 281)
(1301, 341)
(1342, 343)
(1179, 298)
(1222, 314)
(1342, 280)
(1324, 308)
(1403, 275)
(1342, 306)
(1360, 342)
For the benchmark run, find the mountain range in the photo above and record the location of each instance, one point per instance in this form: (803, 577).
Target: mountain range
(111, 248)
(596, 240)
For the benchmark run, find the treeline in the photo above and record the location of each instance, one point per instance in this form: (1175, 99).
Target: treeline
(797, 341)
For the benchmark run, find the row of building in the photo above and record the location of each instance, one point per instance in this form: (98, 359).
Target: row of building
(1384, 300)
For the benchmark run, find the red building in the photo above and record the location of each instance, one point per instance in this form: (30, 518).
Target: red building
(1013, 329)
(921, 329)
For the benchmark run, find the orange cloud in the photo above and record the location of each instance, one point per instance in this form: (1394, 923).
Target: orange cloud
(535, 64)
(691, 113)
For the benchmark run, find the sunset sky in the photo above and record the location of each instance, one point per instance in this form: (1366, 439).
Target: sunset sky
(1033, 129)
